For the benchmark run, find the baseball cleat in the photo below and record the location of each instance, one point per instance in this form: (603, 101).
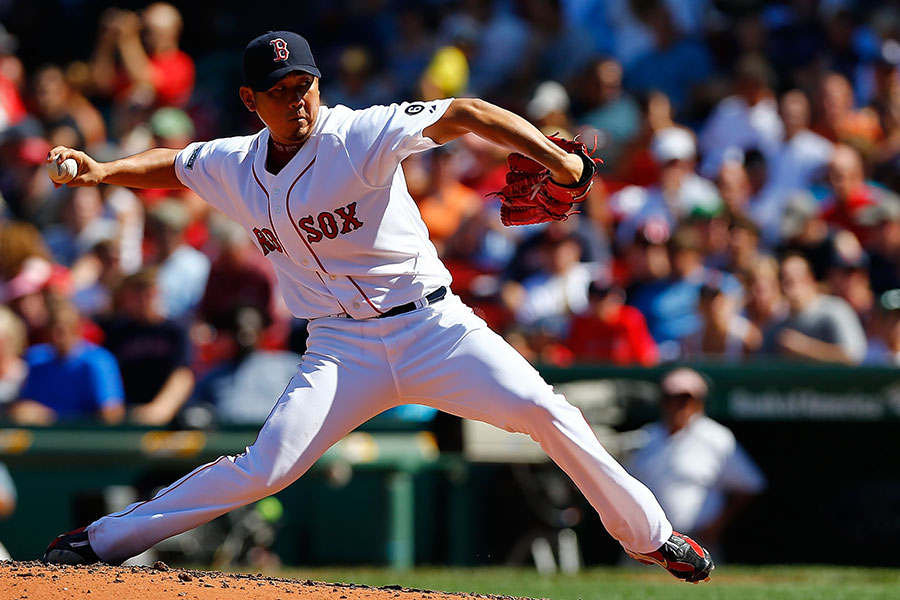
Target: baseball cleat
(71, 548)
(681, 556)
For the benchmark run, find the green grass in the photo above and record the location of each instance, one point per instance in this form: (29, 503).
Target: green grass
(728, 583)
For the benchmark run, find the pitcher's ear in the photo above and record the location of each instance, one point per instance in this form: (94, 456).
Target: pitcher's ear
(247, 98)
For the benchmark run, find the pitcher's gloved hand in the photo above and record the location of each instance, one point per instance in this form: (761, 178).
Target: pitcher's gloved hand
(531, 196)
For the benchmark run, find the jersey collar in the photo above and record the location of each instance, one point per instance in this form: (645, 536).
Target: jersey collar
(307, 149)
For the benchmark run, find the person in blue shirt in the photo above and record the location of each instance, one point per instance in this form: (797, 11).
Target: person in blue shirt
(68, 378)
(678, 66)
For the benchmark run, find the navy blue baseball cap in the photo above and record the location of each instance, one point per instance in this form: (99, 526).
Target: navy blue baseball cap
(273, 55)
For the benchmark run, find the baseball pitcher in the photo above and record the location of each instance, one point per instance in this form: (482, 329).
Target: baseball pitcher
(321, 191)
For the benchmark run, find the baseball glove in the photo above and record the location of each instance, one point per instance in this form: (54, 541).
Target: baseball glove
(531, 196)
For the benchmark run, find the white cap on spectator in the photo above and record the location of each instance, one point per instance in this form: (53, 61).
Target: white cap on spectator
(684, 381)
(673, 143)
(549, 97)
(34, 273)
(801, 207)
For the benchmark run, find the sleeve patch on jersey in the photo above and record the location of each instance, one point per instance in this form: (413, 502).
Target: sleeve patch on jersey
(193, 157)
(414, 109)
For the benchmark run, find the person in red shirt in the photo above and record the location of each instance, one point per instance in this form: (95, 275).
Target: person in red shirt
(850, 194)
(610, 331)
(149, 59)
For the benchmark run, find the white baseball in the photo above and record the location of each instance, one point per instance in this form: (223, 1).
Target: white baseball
(63, 172)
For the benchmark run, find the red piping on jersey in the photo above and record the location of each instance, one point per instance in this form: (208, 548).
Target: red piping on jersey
(158, 496)
(363, 294)
(268, 206)
(326, 287)
(287, 204)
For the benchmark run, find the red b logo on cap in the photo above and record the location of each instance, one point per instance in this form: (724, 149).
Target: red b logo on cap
(281, 49)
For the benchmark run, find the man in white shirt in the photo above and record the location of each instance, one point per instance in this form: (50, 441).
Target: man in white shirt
(695, 467)
(796, 164)
(322, 192)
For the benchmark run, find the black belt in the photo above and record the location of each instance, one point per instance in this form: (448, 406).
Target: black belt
(435, 296)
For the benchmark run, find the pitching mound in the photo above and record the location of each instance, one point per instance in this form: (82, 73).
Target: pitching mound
(36, 581)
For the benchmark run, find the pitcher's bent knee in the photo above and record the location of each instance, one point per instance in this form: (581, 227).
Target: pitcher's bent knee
(532, 413)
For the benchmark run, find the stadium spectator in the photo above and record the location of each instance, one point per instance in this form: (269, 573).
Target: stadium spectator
(724, 334)
(559, 49)
(183, 270)
(818, 327)
(648, 268)
(67, 117)
(238, 277)
(609, 331)
(764, 304)
(676, 66)
(746, 120)
(97, 274)
(355, 85)
(409, 51)
(82, 226)
(850, 194)
(734, 188)
(548, 109)
(701, 475)
(240, 390)
(502, 39)
(889, 148)
(670, 305)
(68, 378)
(19, 241)
(743, 245)
(447, 73)
(883, 221)
(679, 193)
(12, 344)
(799, 161)
(27, 294)
(884, 340)
(804, 231)
(545, 300)
(153, 353)
(607, 108)
(637, 165)
(12, 107)
(848, 276)
(445, 202)
(137, 57)
(24, 184)
(838, 121)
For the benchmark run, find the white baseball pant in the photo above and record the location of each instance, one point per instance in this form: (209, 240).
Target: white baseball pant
(441, 356)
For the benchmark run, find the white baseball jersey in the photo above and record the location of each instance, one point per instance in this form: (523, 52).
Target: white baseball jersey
(337, 222)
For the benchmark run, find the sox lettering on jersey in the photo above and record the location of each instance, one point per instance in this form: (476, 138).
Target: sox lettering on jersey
(267, 240)
(281, 49)
(328, 225)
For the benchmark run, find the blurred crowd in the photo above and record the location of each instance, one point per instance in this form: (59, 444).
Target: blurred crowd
(746, 208)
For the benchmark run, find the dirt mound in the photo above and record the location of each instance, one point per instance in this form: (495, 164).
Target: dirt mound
(36, 581)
